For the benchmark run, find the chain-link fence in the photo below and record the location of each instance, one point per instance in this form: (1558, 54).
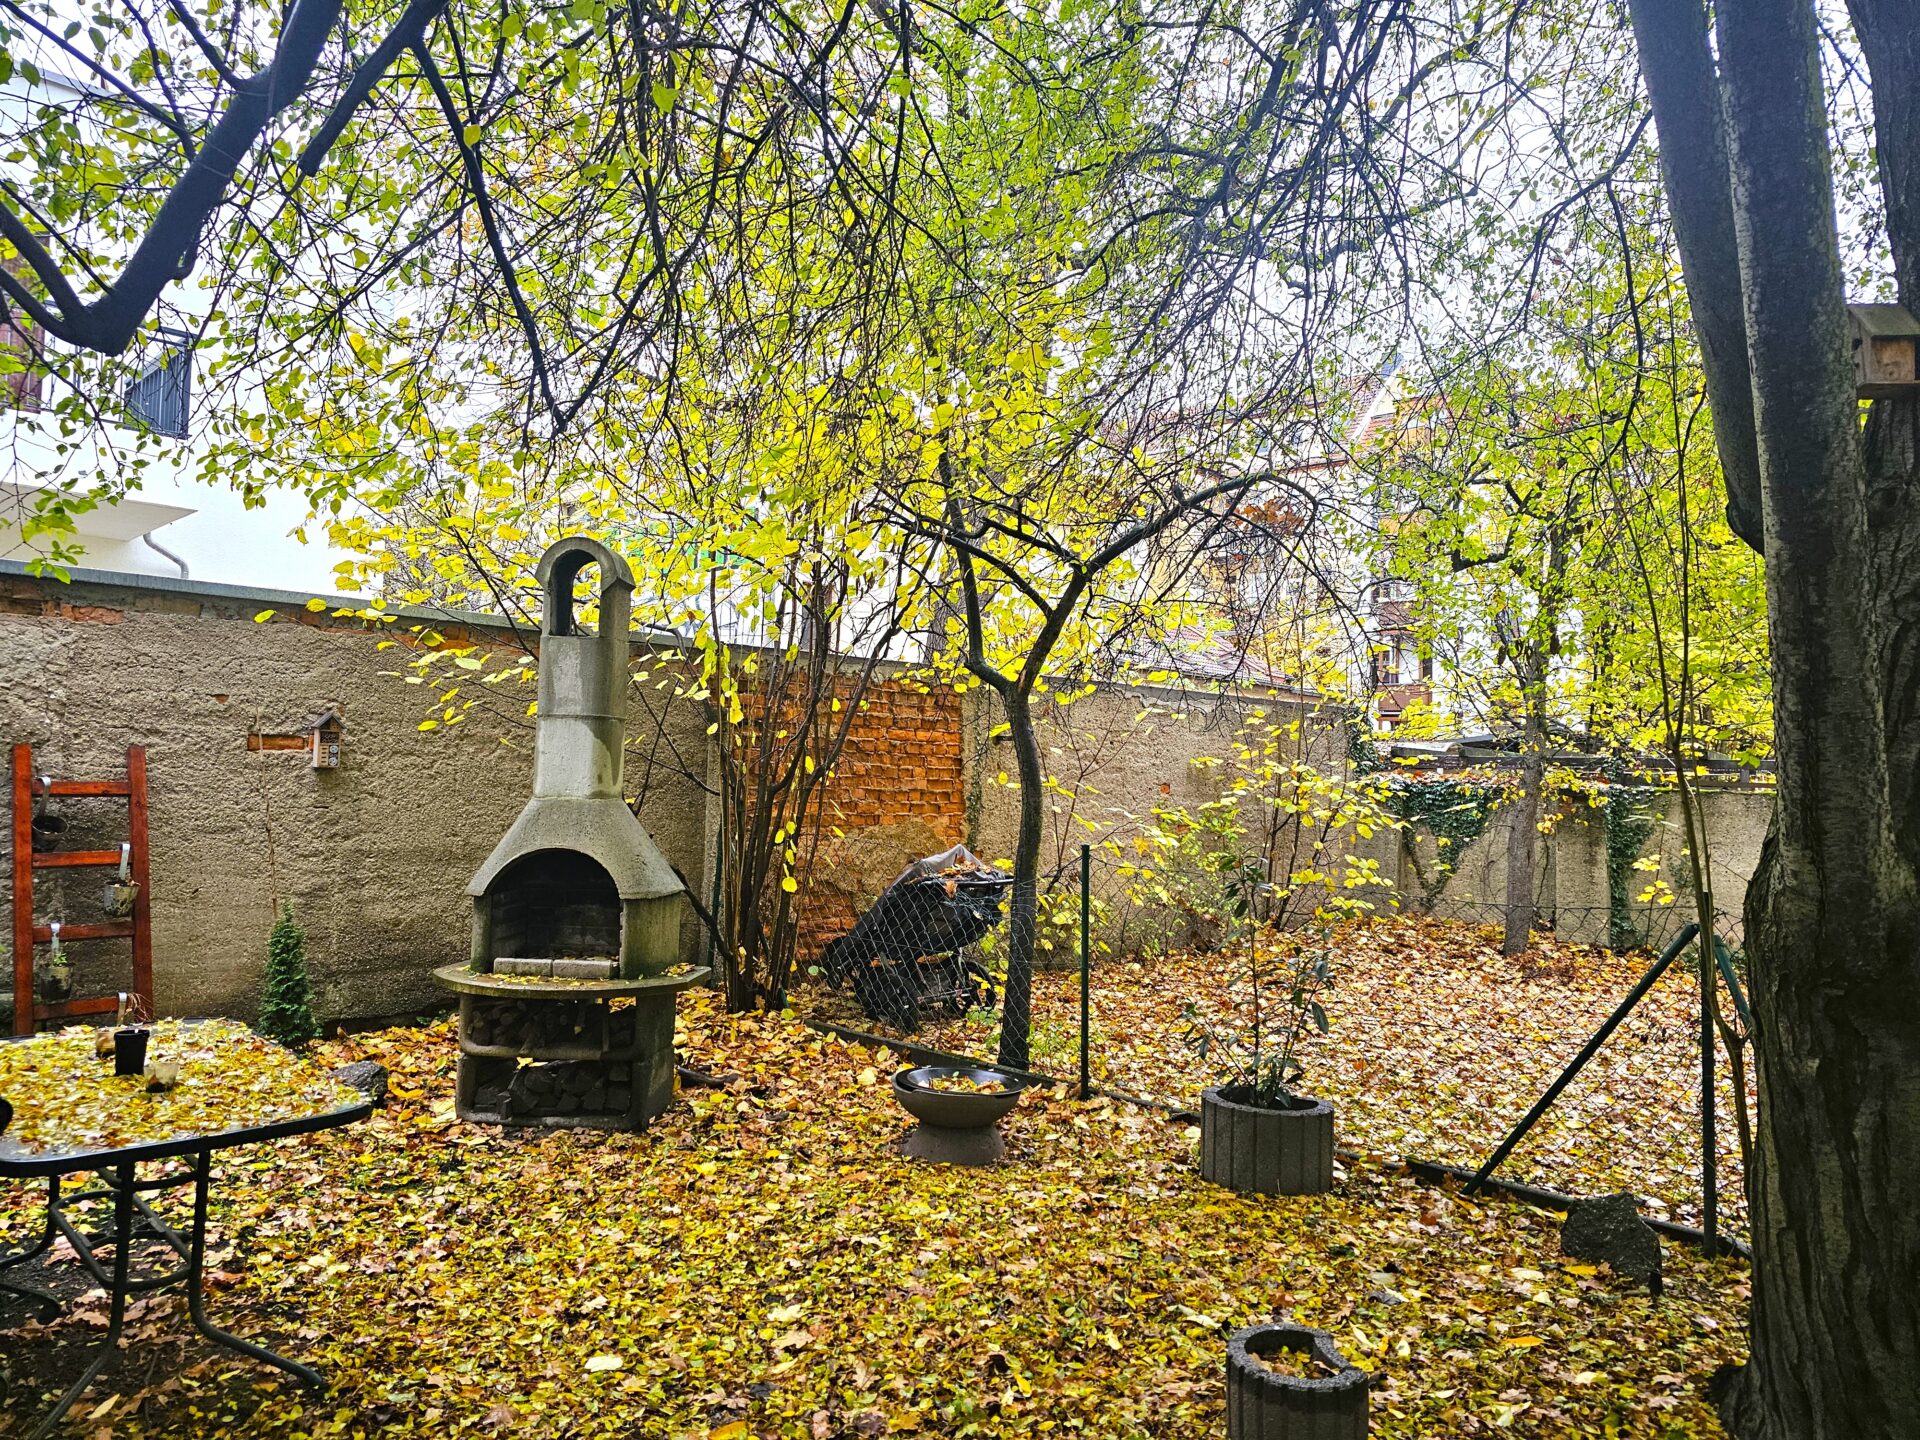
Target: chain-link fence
(920, 951)
(1581, 1068)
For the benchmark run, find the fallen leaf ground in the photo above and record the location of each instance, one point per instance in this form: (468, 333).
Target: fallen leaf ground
(1439, 1044)
(760, 1263)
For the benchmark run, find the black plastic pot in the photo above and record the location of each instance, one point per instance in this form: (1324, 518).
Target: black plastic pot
(6, 1116)
(1263, 1404)
(130, 1052)
(1265, 1150)
(47, 830)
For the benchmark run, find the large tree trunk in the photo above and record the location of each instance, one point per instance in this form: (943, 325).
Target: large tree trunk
(1831, 917)
(1016, 1009)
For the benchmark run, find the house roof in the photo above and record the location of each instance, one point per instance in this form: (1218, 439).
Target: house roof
(1198, 653)
(1883, 321)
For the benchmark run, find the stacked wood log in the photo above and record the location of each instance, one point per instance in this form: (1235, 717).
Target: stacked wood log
(570, 1087)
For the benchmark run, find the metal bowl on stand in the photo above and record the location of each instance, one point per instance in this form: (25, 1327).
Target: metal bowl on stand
(959, 1125)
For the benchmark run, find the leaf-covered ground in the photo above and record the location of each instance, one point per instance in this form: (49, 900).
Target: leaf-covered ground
(760, 1263)
(1439, 1044)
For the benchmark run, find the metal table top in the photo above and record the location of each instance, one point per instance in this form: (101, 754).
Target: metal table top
(277, 1102)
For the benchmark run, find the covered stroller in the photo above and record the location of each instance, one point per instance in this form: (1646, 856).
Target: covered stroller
(906, 955)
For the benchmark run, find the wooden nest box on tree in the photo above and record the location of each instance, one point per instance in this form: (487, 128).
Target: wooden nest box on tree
(1885, 340)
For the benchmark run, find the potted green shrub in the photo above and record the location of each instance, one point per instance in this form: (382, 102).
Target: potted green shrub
(1258, 1135)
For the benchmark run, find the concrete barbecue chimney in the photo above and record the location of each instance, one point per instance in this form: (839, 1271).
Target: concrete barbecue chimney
(577, 878)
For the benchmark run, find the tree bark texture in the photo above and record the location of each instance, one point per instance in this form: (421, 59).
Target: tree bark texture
(1016, 1008)
(1521, 845)
(1523, 837)
(1672, 38)
(1832, 930)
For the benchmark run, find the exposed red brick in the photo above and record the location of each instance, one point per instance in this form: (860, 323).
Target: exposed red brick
(901, 762)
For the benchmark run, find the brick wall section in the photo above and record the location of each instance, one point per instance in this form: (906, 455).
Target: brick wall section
(898, 792)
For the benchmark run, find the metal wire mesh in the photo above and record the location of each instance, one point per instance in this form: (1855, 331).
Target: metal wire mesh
(926, 964)
(916, 952)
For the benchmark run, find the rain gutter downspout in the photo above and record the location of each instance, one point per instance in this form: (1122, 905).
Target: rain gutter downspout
(155, 545)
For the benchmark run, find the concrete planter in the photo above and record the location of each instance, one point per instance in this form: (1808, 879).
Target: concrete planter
(1263, 1404)
(1259, 1150)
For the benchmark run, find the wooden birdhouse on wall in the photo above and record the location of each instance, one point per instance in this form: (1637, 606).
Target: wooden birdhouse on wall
(317, 733)
(324, 728)
(1886, 340)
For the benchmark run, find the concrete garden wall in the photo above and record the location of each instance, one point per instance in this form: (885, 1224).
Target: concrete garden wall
(375, 855)
(1570, 882)
(1116, 754)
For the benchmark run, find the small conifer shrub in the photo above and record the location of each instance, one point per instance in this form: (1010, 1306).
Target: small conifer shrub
(286, 1009)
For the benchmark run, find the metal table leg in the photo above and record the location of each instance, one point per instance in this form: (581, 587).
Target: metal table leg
(109, 1351)
(48, 1306)
(196, 1301)
(132, 1218)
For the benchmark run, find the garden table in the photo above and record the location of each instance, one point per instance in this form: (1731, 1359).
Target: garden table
(74, 1116)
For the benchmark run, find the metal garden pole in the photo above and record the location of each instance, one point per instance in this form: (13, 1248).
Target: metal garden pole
(1733, 983)
(1709, 1178)
(713, 900)
(1086, 966)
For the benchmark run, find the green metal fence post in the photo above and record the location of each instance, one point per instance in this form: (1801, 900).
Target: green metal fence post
(1709, 1162)
(1733, 983)
(1587, 1052)
(1086, 968)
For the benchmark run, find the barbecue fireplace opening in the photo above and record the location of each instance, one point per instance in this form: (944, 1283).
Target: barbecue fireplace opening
(554, 904)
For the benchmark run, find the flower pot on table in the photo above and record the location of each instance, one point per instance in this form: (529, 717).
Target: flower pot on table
(130, 1052)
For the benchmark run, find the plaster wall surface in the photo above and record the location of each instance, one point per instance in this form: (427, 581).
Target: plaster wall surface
(374, 856)
(1115, 754)
(1571, 880)
(208, 526)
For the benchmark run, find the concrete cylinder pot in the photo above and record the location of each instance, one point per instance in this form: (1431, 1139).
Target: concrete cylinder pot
(1264, 1149)
(1288, 1382)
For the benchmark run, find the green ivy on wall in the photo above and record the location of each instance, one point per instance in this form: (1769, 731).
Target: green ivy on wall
(1362, 753)
(1456, 812)
(1630, 819)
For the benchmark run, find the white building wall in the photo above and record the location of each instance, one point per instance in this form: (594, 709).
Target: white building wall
(208, 526)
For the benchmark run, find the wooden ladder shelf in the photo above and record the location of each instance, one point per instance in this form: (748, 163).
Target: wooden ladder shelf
(29, 1012)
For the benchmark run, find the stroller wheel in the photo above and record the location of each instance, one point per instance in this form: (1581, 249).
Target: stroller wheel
(975, 990)
(885, 993)
(956, 1001)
